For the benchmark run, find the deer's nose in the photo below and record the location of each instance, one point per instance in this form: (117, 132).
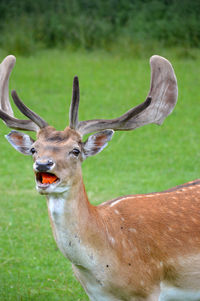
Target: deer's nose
(41, 165)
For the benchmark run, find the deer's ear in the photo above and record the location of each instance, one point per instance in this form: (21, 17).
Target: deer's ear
(20, 141)
(96, 143)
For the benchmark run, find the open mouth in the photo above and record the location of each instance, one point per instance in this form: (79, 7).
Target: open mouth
(45, 179)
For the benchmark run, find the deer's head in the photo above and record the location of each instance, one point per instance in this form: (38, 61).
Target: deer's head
(58, 155)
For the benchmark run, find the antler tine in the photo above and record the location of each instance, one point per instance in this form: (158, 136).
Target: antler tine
(163, 95)
(27, 112)
(117, 124)
(73, 112)
(17, 124)
(6, 112)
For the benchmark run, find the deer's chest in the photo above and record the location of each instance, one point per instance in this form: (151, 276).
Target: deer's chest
(88, 267)
(66, 233)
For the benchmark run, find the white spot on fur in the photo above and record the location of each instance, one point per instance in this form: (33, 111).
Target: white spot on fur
(178, 241)
(133, 230)
(112, 240)
(160, 264)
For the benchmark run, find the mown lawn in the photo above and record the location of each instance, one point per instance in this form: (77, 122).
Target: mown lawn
(149, 159)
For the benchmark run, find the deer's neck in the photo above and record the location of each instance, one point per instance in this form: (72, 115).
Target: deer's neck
(72, 216)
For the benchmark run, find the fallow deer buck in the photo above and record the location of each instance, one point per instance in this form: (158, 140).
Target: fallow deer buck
(137, 247)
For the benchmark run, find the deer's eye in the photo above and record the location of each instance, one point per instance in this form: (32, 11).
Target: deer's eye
(75, 152)
(33, 150)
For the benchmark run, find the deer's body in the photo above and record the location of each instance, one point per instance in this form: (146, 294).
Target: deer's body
(134, 248)
(115, 257)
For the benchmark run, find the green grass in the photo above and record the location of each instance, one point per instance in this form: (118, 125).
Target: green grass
(151, 158)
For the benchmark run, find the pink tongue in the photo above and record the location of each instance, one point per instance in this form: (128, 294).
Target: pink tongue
(48, 178)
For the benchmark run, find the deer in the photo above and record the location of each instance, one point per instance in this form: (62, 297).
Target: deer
(141, 247)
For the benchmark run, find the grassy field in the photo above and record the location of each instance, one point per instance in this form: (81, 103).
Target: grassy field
(149, 159)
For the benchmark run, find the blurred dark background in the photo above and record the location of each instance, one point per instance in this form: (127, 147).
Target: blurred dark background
(26, 25)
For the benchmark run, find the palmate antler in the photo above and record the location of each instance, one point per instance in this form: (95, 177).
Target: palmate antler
(160, 102)
(35, 122)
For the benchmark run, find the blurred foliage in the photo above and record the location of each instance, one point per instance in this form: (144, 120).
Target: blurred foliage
(27, 24)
